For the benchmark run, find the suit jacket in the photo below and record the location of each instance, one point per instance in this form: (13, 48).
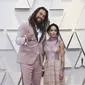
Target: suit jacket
(29, 51)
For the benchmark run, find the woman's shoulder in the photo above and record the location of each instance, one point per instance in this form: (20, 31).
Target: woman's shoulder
(46, 42)
(60, 39)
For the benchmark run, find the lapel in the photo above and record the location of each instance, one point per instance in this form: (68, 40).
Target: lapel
(41, 36)
(35, 32)
(36, 35)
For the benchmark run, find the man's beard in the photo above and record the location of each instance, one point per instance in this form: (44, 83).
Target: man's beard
(38, 23)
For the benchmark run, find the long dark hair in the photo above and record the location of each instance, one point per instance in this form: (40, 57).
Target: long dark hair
(45, 21)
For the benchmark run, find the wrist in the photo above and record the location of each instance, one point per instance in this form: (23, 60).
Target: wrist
(25, 40)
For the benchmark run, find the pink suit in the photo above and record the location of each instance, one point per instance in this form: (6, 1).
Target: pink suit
(30, 55)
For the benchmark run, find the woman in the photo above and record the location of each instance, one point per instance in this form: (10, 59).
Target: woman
(54, 60)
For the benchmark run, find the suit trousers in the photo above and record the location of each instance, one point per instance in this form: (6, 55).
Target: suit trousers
(31, 74)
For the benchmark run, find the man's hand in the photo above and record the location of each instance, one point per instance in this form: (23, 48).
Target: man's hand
(29, 37)
(61, 75)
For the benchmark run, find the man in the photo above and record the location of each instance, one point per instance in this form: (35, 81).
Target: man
(31, 37)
